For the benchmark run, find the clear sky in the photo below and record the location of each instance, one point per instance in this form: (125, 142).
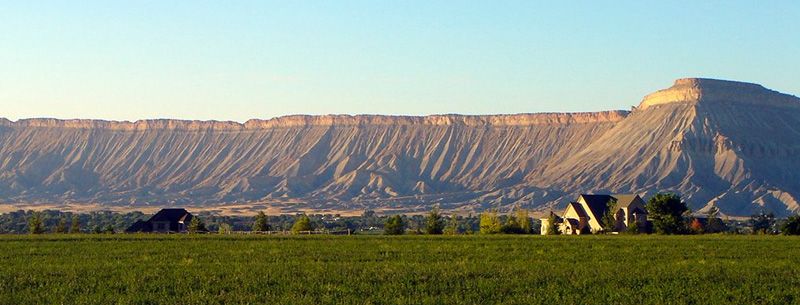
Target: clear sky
(236, 60)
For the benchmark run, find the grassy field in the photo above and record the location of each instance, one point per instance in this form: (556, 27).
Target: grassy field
(135, 269)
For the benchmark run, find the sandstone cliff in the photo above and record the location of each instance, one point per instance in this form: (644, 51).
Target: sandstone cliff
(720, 143)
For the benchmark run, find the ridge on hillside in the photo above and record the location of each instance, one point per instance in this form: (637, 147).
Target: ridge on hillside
(718, 143)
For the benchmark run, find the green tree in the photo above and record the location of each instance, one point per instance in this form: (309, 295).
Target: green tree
(36, 223)
(62, 225)
(524, 220)
(791, 226)
(666, 210)
(108, 229)
(394, 225)
(634, 227)
(196, 225)
(261, 222)
(552, 226)
(609, 219)
(763, 223)
(511, 226)
(452, 226)
(96, 229)
(303, 223)
(75, 226)
(490, 222)
(225, 228)
(435, 223)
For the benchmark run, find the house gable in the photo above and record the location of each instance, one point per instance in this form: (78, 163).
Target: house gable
(633, 206)
(595, 206)
(576, 215)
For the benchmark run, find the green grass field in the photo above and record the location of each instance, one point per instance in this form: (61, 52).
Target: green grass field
(150, 269)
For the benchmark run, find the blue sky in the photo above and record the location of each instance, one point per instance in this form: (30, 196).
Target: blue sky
(236, 60)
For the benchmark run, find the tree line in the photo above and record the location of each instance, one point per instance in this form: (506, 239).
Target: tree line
(370, 222)
(668, 214)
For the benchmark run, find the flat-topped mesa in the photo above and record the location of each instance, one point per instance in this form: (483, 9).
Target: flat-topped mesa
(706, 90)
(140, 125)
(326, 120)
(439, 120)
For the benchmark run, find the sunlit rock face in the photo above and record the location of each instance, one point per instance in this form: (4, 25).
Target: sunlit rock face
(718, 143)
(695, 90)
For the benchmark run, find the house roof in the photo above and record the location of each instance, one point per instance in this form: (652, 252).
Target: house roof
(638, 211)
(578, 209)
(573, 222)
(597, 204)
(171, 215)
(625, 200)
(557, 218)
(139, 226)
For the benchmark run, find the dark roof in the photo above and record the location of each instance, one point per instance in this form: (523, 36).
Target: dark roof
(573, 222)
(171, 215)
(578, 209)
(597, 204)
(140, 226)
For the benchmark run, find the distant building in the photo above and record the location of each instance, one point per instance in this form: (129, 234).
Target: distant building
(165, 221)
(584, 216)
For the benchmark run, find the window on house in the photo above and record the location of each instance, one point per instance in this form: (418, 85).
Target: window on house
(160, 226)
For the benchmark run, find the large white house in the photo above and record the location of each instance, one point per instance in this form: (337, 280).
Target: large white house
(584, 216)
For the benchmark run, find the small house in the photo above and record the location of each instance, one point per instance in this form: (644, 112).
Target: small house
(165, 221)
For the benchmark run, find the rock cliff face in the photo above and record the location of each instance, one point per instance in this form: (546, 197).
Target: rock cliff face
(720, 143)
(697, 90)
